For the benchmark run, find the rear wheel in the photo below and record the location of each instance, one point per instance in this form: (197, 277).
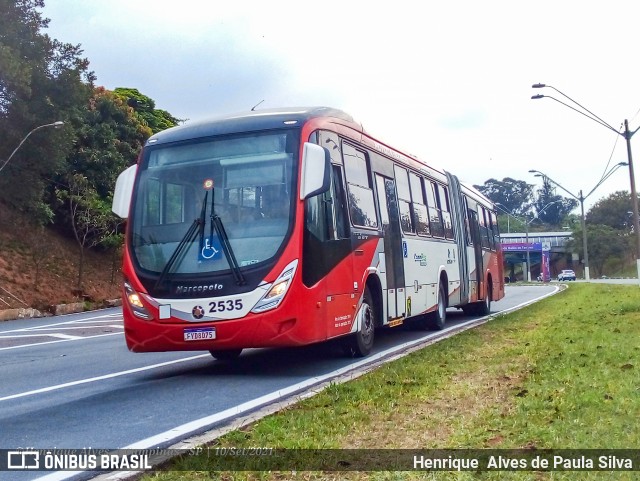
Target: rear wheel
(226, 355)
(483, 308)
(361, 343)
(480, 308)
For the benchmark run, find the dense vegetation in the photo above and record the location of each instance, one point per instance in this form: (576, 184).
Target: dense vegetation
(610, 235)
(65, 176)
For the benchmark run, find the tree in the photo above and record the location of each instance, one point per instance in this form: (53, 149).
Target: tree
(607, 246)
(145, 108)
(41, 81)
(550, 207)
(514, 196)
(613, 211)
(91, 218)
(109, 137)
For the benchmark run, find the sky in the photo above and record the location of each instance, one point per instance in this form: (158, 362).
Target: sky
(449, 82)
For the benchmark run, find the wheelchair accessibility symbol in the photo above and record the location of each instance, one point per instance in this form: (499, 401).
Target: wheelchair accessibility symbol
(211, 250)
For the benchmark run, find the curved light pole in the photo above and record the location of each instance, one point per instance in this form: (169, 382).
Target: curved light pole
(627, 134)
(580, 198)
(56, 125)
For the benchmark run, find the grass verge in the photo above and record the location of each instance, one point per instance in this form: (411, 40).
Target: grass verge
(560, 374)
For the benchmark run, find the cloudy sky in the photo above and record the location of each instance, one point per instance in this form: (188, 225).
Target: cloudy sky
(447, 81)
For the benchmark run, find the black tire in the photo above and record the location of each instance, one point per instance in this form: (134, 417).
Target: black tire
(438, 318)
(361, 343)
(483, 308)
(226, 355)
(480, 308)
(469, 309)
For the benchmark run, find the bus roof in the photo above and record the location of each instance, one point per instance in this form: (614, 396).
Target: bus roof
(247, 121)
(266, 119)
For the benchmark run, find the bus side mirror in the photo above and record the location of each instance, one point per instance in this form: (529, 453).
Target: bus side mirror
(123, 191)
(316, 169)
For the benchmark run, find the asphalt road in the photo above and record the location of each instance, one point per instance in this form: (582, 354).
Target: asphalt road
(70, 382)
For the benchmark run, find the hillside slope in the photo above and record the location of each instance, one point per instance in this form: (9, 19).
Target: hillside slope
(39, 268)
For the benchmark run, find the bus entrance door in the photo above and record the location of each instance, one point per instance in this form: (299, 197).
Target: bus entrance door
(477, 250)
(391, 257)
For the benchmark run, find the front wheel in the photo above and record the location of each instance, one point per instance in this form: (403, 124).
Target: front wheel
(361, 343)
(226, 355)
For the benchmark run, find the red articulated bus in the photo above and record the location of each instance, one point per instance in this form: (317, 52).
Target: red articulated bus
(294, 226)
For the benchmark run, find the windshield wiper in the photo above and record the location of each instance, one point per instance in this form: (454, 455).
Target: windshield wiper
(188, 238)
(216, 223)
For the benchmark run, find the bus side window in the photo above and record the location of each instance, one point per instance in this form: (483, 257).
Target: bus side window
(490, 228)
(404, 199)
(361, 205)
(315, 212)
(443, 195)
(338, 206)
(418, 207)
(465, 208)
(325, 214)
(495, 229)
(484, 229)
(435, 219)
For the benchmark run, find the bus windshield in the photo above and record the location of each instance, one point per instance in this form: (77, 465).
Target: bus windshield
(188, 192)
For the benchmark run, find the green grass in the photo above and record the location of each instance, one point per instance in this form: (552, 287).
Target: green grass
(562, 373)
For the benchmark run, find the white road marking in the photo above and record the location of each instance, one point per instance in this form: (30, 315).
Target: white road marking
(54, 330)
(65, 336)
(72, 328)
(106, 318)
(38, 344)
(100, 378)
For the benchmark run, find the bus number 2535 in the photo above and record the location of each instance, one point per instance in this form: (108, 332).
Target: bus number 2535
(228, 305)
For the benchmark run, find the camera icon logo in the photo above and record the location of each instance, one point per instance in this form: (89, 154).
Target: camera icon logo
(23, 460)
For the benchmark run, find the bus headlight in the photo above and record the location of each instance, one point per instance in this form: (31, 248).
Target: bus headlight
(133, 298)
(278, 290)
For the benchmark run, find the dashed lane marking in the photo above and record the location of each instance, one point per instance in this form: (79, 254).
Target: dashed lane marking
(96, 326)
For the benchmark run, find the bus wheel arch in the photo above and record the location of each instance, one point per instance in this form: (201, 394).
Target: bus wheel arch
(483, 306)
(435, 320)
(375, 289)
(368, 317)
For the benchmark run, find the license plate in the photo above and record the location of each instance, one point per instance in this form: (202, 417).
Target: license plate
(201, 334)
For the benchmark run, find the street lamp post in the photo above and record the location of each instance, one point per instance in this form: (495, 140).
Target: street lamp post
(627, 134)
(56, 125)
(526, 233)
(580, 198)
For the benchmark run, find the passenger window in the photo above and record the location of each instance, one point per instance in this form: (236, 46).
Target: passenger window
(484, 229)
(435, 217)
(361, 205)
(419, 209)
(404, 200)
